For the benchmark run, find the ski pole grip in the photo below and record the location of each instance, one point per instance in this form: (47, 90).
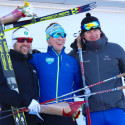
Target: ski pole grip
(121, 87)
(79, 42)
(123, 74)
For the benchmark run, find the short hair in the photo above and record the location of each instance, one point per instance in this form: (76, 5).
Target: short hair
(51, 25)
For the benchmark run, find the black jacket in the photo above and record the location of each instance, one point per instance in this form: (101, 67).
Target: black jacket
(8, 96)
(27, 80)
(103, 60)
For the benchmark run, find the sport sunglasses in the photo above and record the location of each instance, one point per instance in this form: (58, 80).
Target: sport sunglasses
(88, 26)
(22, 39)
(56, 35)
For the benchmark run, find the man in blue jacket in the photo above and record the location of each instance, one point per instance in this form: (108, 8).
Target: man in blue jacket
(58, 72)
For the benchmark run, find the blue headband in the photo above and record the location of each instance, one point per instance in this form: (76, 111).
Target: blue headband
(54, 29)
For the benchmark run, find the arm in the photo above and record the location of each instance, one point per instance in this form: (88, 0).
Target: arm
(122, 61)
(77, 78)
(8, 96)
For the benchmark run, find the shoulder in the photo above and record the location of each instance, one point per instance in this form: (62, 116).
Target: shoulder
(72, 53)
(38, 55)
(71, 59)
(115, 45)
(116, 50)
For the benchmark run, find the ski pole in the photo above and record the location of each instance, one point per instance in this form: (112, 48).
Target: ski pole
(94, 93)
(106, 80)
(52, 100)
(12, 109)
(23, 110)
(83, 77)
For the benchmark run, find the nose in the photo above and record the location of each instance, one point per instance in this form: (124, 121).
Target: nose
(25, 42)
(60, 37)
(92, 32)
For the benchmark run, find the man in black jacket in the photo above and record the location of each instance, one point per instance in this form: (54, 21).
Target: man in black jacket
(102, 60)
(26, 76)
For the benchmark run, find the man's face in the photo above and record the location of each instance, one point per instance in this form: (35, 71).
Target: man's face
(57, 43)
(92, 35)
(23, 47)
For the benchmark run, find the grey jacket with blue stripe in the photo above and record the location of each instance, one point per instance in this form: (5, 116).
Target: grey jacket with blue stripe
(103, 60)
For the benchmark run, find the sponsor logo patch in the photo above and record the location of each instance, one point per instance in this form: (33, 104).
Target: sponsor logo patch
(49, 60)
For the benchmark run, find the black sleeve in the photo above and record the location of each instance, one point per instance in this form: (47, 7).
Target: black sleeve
(26, 99)
(8, 96)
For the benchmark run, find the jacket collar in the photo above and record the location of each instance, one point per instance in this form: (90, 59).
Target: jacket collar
(52, 51)
(90, 45)
(20, 56)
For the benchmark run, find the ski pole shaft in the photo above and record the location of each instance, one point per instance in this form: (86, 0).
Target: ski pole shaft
(94, 93)
(53, 100)
(12, 110)
(84, 88)
(20, 111)
(83, 77)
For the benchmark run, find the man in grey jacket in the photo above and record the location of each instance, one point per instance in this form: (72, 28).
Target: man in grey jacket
(102, 60)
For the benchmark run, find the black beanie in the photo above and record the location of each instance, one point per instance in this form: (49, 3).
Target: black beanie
(89, 19)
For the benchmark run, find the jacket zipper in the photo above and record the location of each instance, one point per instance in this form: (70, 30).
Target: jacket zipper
(97, 56)
(57, 78)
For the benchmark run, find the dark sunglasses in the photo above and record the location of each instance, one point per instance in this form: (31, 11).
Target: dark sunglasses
(22, 39)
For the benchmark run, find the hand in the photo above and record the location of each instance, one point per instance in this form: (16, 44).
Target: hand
(34, 107)
(87, 91)
(79, 42)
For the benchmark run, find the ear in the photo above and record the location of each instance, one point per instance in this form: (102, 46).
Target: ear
(82, 36)
(48, 41)
(14, 46)
(101, 33)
